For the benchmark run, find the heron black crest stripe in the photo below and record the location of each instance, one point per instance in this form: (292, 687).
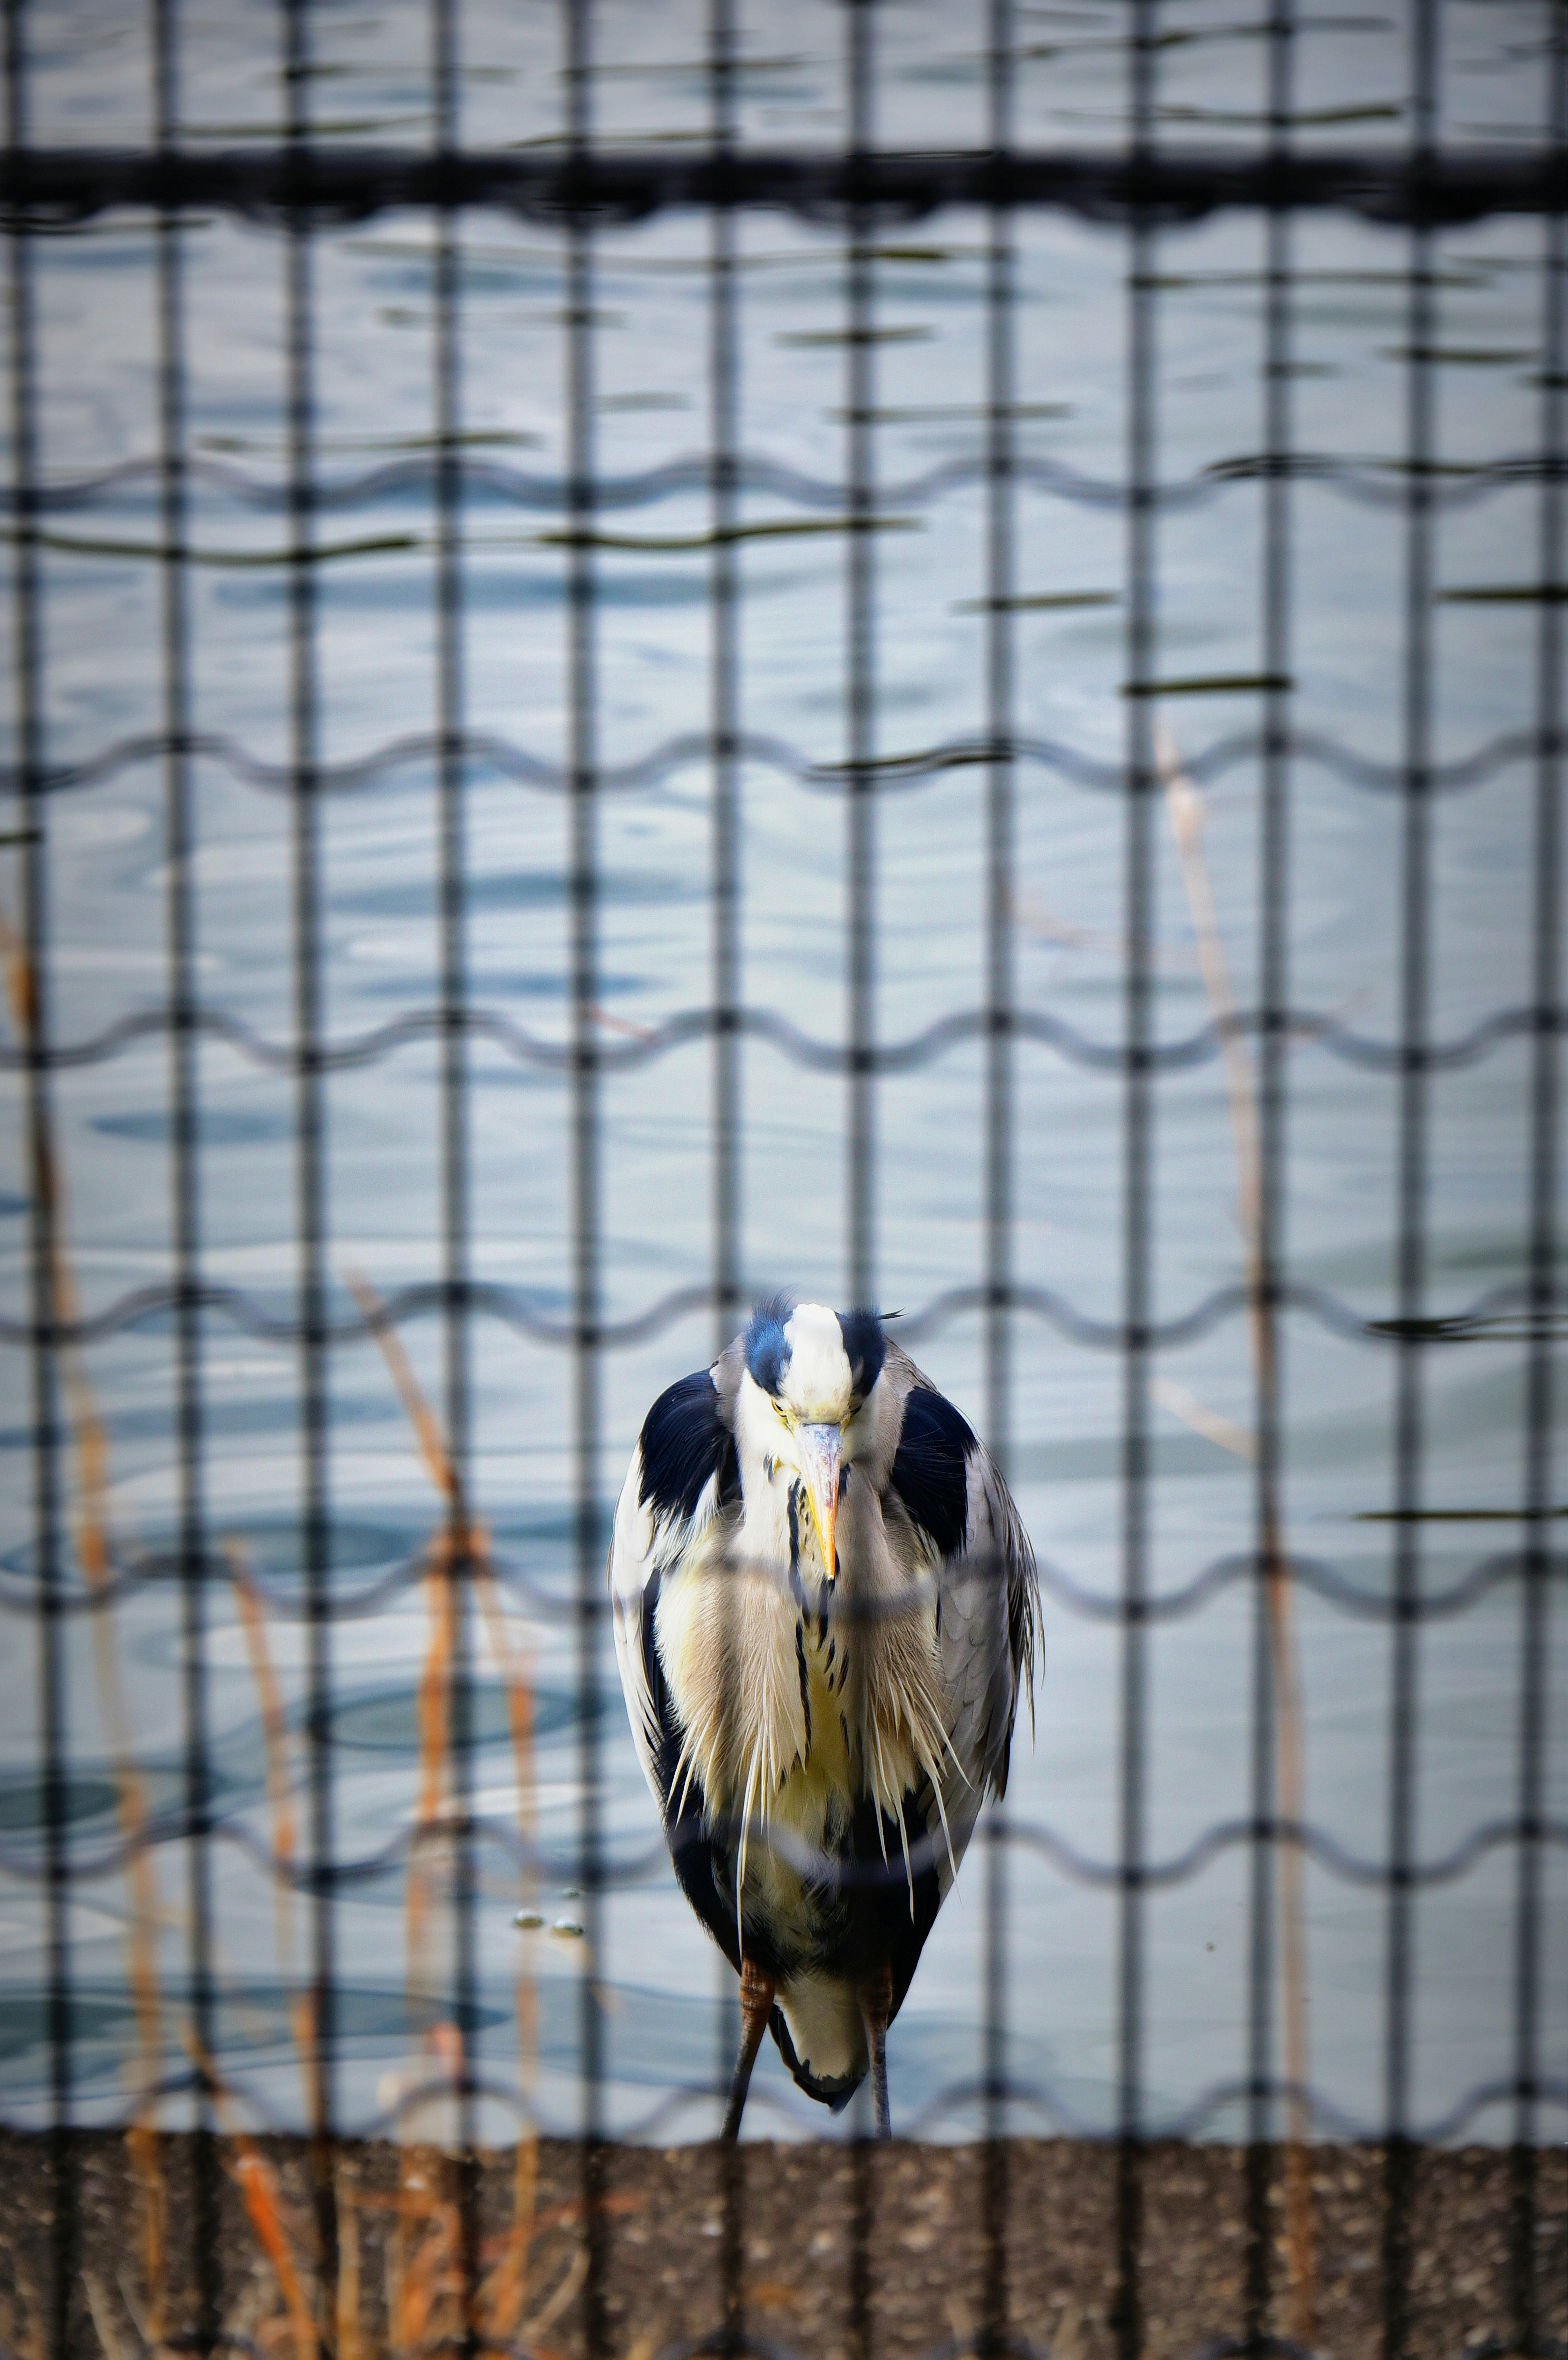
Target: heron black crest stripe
(931, 1468)
(685, 1441)
(766, 1346)
(865, 1346)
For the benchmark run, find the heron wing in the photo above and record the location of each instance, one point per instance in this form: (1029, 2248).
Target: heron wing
(683, 1473)
(973, 1540)
(631, 1573)
(990, 1600)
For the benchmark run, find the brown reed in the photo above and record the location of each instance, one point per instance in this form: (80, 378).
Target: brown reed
(27, 2335)
(427, 2275)
(102, 2317)
(261, 2193)
(280, 1807)
(454, 1544)
(1186, 812)
(424, 2250)
(505, 2291)
(96, 1557)
(349, 2344)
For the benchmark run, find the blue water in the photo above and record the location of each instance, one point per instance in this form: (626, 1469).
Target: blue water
(655, 1975)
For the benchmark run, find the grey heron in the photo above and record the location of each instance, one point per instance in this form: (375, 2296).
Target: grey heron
(826, 1608)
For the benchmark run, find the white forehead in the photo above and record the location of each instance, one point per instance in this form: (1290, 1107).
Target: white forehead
(818, 1379)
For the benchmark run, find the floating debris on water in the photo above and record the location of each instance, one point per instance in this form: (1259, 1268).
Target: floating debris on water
(528, 1919)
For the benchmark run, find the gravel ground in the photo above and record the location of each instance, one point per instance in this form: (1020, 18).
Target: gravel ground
(920, 2285)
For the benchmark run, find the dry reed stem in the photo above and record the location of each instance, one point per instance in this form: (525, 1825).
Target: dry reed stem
(285, 1834)
(261, 2194)
(425, 2283)
(274, 1741)
(504, 2292)
(1224, 1432)
(349, 2345)
(134, 2310)
(1186, 811)
(441, 1599)
(420, 1416)
(258, 2189)
(102, 2317)
(575, 2272)
(28, 2337)
(95, 1555)
(417, 2268)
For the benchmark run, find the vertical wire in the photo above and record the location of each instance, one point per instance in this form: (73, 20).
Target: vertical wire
(724, 493)
(862, 684)
(1136, 1276)
(183, 1085)
(1534, 1635)
(42, 1234)
(311, 1173)
(459, 1569)
(998, 1086)
(1414, 982)
(585, 1117)
(1267, 1255)
(861, 623)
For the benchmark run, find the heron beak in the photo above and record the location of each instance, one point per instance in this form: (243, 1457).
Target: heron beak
(819, 1448)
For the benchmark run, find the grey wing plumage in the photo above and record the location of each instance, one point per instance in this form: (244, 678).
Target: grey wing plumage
(997, 1644)
(987, 1646)
(951, 1490)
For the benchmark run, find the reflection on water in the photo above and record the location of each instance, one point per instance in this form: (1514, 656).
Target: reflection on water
(653, 554)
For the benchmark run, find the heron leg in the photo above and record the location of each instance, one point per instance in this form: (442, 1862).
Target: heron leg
(756, 2008)
(875, 2008)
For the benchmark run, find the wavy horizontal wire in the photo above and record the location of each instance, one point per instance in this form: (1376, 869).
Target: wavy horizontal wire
(558, 1866)
(1313, 1574)
(510, 1305)
(488, 750)
(1373, 483)
(1196, 2118)
(286, 1602)
(1200, 1048)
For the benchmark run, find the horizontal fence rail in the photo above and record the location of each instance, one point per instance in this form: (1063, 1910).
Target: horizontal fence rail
(602, 188)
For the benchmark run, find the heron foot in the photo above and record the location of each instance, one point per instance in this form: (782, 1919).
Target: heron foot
(756, 2008)
(875, 2008)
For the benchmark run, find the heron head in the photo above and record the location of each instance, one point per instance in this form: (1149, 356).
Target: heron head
(813, 1369)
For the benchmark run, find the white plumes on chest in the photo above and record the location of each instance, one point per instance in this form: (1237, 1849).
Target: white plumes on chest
(797, 1699)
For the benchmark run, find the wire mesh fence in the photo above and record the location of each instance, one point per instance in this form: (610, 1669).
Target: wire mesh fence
(1088, 1032)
